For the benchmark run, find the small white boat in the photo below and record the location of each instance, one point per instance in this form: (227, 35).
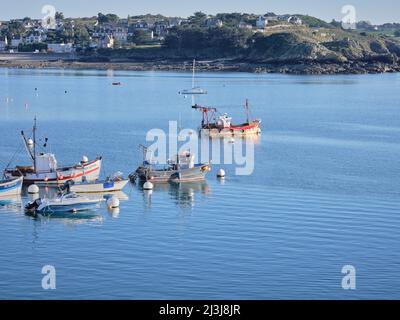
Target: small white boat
(65, 203)
(109, 185)
(194, 90)
(11, 187)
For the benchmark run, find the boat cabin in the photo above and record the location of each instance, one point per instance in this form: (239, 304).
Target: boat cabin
(224, 121)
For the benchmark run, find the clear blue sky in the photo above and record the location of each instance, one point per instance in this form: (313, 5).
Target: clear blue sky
(372, 10)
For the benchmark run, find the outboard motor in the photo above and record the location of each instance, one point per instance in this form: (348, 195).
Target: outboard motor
(32, 206)
(66, 186)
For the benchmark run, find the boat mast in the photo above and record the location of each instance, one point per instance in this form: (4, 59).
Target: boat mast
(194, 64)
(247, 111)
(34, 145)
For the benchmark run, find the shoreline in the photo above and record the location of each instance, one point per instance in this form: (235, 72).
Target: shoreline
(66, 61)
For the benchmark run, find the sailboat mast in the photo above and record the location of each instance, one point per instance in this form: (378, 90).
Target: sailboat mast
(34, 145)
(194, 65)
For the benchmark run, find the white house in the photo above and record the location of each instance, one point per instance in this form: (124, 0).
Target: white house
(15, 42)
(214, 23)
(261, 22)
(244, 25)
(295, 20)
(120, 34)
(161, 28)
(3, 44)
(60, 47)
(174, 22)
(106, 42)
(35, 38)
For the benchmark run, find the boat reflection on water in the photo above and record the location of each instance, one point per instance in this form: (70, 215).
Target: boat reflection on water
(255, 139)
(184, 194)
(11, 204)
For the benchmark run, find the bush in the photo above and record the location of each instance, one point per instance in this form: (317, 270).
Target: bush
(32, 47)
(224, 40)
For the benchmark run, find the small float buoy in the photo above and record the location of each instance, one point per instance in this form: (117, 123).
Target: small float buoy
(221, 173)
(148, 186)
(30, 143)
(113, 202)
(33, 188)
(33, 196)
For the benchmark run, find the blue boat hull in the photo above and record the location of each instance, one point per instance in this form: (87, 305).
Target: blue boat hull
(51, 209)
(10, 187)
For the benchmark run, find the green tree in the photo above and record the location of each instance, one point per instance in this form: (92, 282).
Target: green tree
(15, 28)
(59, 16)
(112, 18)
(140, 37)
(107, 18)
(198, 19)
(101, 18)
(230, 19)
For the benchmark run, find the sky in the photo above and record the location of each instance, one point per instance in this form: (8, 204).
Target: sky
(377, 12)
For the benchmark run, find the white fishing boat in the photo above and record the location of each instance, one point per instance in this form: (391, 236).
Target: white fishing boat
(110, 184)
(10, 187)
(194, 90)
(45, 169)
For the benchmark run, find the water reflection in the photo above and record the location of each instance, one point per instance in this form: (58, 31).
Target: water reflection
(11, 204)
(184, 194)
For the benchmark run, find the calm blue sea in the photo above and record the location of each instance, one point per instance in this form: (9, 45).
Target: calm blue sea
(325, 191)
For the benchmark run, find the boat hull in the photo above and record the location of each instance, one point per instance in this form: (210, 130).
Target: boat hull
(11, 187)
(98, 187)
(251, 129)
(90, 170)
(61, 208)
(197, 173)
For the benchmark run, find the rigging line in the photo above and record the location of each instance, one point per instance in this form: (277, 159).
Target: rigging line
(12, 158)
(130, 191)
(102, 170)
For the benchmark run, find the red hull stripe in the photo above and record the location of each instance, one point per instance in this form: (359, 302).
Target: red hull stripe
(68, 177)
(244, 128)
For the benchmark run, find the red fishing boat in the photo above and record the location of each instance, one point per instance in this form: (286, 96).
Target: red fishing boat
(214, 125)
